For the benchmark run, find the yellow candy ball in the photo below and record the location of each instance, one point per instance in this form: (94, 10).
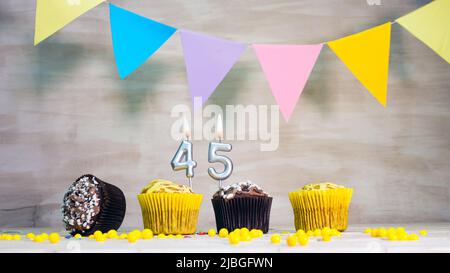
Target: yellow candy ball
(170, 236)
(402, 236)
(123, 236)
(382, 232)
(138, 233)
(112, 234)
(391, 231)
(54, 238)
(147, 234)
(423, 232)
(211, 232)
(17, 237)
(234, 239)
(161, 236)
(44, 235)
(98, 233)
(368, 231)
(275, 239)
(39, 239)
(91, 236)
(326, 232)
(244, 232)
(334, 232)
(401, 230)
(30, 236)
(132, 237)
(261, 233)
(254, 233)
(310, 233)
(77, 236)
(303, 240)
(291, 240)
(317, 232)
(413, 237)
(392, 237)
(179, 236)
(374, 232)
(300, 232)
(223, 232)
(246, 238)
(100, 238)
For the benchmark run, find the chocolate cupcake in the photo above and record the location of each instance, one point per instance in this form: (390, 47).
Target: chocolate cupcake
(91, 204)
(241, 205)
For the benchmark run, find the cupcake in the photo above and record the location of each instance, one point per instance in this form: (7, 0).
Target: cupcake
(321, 205)
(169, 208)
(91, 204)
(242, 205)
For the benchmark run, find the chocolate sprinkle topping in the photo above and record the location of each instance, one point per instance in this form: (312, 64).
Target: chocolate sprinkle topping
(242, 189)
(81, 204)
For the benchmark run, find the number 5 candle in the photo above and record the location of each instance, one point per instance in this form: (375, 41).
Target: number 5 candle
(213, 157)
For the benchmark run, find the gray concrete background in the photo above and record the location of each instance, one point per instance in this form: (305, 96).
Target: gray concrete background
(65, 112)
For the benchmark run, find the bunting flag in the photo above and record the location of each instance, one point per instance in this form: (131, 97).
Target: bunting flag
(135, 38)
(208, 60)
(287, 69)
(431, 25)
(52, 15)
(366, 55)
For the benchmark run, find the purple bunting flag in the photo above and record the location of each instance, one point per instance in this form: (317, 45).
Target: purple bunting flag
(208, 60)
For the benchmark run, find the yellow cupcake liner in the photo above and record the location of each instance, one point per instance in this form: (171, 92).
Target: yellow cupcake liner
(170, 213)
(317, 209)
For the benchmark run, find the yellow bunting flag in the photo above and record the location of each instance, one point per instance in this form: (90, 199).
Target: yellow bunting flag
(52, 15)
(366, 55)
(431, 25)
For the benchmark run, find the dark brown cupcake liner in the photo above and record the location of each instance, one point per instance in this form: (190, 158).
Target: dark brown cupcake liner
(250, 212)
(112, 208)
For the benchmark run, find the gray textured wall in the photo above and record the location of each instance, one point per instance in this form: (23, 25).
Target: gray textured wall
(64, 112)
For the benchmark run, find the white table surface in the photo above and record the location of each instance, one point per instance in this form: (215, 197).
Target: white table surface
(352, 240)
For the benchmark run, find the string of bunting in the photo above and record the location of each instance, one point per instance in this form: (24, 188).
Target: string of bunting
(287, 67)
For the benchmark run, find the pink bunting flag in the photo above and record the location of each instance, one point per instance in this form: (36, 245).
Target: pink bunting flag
(287, 68)
(208, 60)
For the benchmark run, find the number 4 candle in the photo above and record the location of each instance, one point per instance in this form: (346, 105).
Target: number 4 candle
(184, 152)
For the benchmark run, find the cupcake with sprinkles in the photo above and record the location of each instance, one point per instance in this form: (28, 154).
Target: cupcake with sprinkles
(321, 205)
(169, 208)
(243, 204)
(91, 204)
